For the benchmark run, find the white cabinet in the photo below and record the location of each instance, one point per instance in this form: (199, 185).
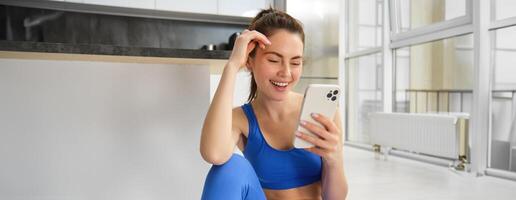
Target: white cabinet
(243, 8)
(101, 130)
(121, 3)
(191, 6)
(146, 4)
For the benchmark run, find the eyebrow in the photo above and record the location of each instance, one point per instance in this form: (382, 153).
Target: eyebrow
(279, 55)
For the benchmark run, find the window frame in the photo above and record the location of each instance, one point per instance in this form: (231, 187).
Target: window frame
(495, 25)
(478, 21)
(456, 23)
(364, 52)
(383, 49)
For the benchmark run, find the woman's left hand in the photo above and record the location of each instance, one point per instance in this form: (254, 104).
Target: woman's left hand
(327, 139)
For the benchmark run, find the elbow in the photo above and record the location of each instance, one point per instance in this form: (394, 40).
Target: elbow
(214, 158)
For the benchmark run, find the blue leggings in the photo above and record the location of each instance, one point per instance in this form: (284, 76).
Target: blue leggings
(233, 180)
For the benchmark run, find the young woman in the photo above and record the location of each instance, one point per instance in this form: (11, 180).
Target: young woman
(264, 128)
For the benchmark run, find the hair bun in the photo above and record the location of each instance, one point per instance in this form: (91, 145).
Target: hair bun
(262, 13)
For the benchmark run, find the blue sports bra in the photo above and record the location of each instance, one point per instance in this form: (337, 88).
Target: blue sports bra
(279, 169)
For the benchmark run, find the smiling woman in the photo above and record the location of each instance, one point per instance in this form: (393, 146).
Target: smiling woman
(264, 128)
(276, 68)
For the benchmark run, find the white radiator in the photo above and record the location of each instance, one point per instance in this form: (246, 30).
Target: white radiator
(431, 134)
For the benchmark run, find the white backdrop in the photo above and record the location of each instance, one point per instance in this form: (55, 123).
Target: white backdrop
(97, 130)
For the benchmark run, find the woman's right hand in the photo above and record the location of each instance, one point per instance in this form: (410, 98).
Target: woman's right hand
(244, 44)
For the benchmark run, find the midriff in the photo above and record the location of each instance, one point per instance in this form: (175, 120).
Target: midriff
(307, 192)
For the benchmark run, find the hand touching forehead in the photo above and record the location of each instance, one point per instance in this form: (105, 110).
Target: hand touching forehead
(284, 44)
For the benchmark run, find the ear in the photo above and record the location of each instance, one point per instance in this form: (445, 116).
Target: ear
(249, 65)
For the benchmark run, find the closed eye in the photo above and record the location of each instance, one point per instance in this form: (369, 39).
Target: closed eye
(273, 61)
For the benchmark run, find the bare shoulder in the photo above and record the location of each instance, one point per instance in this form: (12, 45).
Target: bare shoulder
(239, 120)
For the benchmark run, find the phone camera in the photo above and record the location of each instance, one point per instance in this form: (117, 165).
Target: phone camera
(332, 95)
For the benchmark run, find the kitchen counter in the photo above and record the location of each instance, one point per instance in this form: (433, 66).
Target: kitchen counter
(108, 53)
(98, 49)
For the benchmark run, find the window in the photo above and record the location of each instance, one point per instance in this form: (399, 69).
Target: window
(364, 66)
(419, 13)
(504, 9)
(365, 24)
(434, 70)
(364, 94)
(435, 76)
(503, 106)
(413, 18)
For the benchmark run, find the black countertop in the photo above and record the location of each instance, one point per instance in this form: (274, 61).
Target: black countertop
(100, 49)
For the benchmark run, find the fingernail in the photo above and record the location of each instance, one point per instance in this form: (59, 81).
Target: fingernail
(268, 42)
(298, 134)
(315, 115)
(303, 122)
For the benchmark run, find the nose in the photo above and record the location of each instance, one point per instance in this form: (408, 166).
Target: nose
(285, 70)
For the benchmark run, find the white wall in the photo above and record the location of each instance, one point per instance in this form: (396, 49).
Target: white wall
(94, 130)
(242, 87)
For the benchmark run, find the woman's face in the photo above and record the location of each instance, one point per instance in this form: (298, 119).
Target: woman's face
(278, 67)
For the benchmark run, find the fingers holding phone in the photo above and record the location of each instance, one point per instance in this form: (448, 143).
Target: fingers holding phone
(317, 132)
(325, 136)
(323, 100)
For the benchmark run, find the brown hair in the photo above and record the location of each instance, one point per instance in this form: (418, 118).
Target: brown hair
(267, 22)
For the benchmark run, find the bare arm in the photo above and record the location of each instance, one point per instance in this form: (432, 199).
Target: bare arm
(334, 181)
(218, 138)
(328, 145)
(219, 134)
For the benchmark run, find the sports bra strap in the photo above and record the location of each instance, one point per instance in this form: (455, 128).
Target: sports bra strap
(249, 114)
(253, 138)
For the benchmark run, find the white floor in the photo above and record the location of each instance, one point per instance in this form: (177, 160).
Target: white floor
(399, 178)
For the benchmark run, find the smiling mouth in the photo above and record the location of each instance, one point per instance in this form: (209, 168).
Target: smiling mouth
(279, 84)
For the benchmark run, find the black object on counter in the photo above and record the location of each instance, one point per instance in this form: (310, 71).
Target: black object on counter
(232, 39)
(209, 47)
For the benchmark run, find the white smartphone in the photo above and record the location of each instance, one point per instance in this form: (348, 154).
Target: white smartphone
(319, 98)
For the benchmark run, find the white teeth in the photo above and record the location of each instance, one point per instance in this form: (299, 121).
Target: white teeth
(279, 84)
